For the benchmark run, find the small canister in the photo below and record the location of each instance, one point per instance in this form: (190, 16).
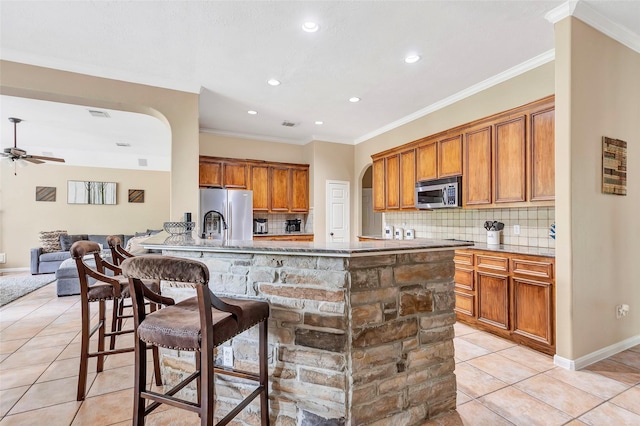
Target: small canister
(493, 237)
(409, 234)
(399, 233)
(388, 232)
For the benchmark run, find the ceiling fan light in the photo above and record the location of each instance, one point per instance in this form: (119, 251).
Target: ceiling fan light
(21, 163)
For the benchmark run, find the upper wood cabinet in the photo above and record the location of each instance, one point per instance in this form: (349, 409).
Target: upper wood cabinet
(542, 155)
(259, 183)
(379, 201)
(450, 156)
(210, 173)
(279, 181)
(510, 169)
(506, 160)
(477, 170)
(222, 173)
(427, 160)
(439, 157)
(300, 189)
(392, 182)
(277, 187)
(408, 179)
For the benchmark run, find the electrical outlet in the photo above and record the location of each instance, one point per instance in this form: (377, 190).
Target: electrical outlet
(227, 356)
(622, 311)
(516, 229)
(3, 257)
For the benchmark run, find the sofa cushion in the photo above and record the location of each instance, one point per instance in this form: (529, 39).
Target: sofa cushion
(67, 240)
(50, 240)
(56, 256)
(134, 245)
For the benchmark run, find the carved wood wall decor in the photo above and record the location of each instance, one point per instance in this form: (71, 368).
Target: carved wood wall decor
(614, 166)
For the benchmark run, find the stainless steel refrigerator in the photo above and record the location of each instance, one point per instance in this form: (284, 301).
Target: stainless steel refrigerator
(226, 214)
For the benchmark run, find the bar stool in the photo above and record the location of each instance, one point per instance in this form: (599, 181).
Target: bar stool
(198, 324)
(118, 253)
(96, 286)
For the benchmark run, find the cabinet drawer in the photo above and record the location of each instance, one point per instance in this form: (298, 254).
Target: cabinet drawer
(543, 269)
(465, 303)
(492, 262)
(462, 258)
(464, 278)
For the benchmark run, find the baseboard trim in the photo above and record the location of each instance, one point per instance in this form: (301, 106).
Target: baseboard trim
(14, 270)
(599, 355)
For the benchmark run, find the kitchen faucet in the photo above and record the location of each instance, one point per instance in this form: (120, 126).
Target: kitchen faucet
(204, 222)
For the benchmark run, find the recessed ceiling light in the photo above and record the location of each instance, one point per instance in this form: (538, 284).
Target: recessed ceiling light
(412, 59)
(310, 27)
(273, 82)
(354, 99)
(252, 112)
(319, 122)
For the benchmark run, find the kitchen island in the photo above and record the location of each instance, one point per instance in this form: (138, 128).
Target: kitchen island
(359, 333)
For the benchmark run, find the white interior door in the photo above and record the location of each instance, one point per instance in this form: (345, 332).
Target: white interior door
(338, 211)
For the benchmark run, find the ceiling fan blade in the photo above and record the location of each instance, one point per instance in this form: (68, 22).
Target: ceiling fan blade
(40, 157)
(30, 159)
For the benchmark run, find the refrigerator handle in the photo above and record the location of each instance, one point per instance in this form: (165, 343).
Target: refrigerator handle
(229, 224)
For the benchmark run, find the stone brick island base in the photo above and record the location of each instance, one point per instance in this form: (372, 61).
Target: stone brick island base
(353, 340)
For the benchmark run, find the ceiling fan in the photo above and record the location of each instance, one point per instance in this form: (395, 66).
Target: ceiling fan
(18, 155)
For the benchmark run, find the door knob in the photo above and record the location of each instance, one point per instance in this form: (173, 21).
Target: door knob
(331, 233)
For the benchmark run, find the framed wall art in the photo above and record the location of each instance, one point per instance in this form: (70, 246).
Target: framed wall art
(45, 193)
(136, 195)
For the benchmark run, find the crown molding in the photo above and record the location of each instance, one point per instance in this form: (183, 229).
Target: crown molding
(588, 15)
(532, 63)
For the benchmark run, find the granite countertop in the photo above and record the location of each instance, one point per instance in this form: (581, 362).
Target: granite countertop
(164, 241)
(531, 251)
(283, 234)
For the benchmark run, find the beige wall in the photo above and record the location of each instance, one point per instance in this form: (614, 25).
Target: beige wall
(21, 217)
(597, 94)
(178, 110)
(232, 147)
(525, 88)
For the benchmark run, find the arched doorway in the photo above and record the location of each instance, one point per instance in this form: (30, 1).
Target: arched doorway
(371, 221)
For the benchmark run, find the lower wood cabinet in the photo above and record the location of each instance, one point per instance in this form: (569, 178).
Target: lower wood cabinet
(508, 294)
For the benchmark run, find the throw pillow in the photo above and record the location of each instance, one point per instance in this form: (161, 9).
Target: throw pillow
(50, 241)
(134, 247)
(66, 241)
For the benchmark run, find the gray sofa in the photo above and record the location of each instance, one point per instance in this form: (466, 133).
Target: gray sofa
(47, 263)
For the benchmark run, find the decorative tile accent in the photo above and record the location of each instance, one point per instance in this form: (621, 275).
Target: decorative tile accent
(46, 193)
(136, 195)
(614, 166)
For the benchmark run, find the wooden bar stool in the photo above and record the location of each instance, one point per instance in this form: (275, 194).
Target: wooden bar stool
(198, 324)
(97, 286)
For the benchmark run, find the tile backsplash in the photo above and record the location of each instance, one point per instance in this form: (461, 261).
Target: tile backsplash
(468, 224)
(276, 221)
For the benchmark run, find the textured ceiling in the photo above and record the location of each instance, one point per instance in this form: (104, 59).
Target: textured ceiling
(226, 51)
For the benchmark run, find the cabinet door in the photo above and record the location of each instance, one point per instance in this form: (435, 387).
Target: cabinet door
(392, 181)
(260, 187)
(427, 161)
(510, 149)
(542, 146)
(234, 175)
(211, 174)
(477, 167)
(299, 190)
(408, 179)
(493, 299)
(533, 310)
(450, 156)
(379, 202)
(279, 188)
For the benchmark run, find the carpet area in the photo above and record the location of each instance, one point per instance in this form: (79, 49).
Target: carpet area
(12, 288)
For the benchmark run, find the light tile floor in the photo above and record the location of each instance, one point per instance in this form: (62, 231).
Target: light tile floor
(499, 382)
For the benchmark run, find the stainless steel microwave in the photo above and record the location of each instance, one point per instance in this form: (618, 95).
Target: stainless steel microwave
(439, 193)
